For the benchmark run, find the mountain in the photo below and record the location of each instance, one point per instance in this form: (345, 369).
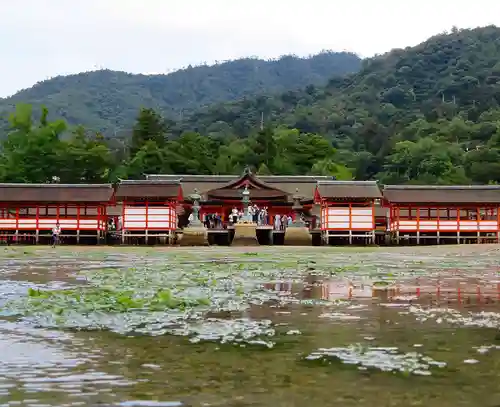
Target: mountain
(392, 118)
(107, 100)
(427, 114)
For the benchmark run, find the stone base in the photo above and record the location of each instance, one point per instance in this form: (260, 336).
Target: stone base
(297, 236)
(383, 293)
(245, 234)
(194, 236)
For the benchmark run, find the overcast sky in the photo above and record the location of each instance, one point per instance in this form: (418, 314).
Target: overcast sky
(44, 38)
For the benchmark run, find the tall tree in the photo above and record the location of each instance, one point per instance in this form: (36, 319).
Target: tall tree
(89, 159)
(32, 152)
(149, 126)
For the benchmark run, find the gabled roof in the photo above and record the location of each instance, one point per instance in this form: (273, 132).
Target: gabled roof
(348, 189)
(305, 184)
(258, 189)
(47, 193)
(202, 183)
(148, 189)
(442, 194)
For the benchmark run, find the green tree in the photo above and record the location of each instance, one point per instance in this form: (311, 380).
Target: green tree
(328, 167)
(192, 153)
(426, 161)
(32, 152)
(149, 126)
(88, 159)
(150, 159)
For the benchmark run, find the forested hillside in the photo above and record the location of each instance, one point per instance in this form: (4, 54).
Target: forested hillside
(47, 151)
(109, 100)
(427, 114)
(424, 114)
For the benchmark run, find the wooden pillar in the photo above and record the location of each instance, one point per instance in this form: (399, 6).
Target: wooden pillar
(397, 213)
(438, 213)
(78, 223)
(429, 217)
(478, 220)
(16, 234)
(99, 223)
(350, 223)
(418, 224)
(459, 210)
(374, 224)
(498, 223)
(389, 230)
(103, 227)
(147, 222)
(37, 224)
(173, 221)
(124, 204)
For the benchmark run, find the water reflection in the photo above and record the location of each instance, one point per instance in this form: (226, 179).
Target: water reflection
(38, 364)
(453, 290)
(45, 367)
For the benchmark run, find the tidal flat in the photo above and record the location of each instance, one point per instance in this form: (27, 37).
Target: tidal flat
(265, 326)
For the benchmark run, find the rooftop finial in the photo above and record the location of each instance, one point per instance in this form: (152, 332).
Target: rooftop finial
(247, 170)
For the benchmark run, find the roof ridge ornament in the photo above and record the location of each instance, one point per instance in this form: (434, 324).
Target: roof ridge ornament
(247, 170)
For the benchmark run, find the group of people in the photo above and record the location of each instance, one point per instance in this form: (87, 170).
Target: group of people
(281, 222)
(213, 221)
(258, 215)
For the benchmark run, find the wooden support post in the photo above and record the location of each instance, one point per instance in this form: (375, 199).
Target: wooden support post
(374, 224)
(16, 234)
(350, 223)
(37, 226)
(105, 224)
(478, 217)
(418, 225)
(78, 224)
(397, 213)
(438, 212)
(146, 237)
(498, 223)
(99, 219)
(122, 223)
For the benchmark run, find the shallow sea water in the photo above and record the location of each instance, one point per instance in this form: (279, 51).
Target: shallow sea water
(298, 326)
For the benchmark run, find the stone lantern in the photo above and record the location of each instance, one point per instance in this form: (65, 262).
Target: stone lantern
(195, 197)
(297, 210)
(195, 234)
(247, 218)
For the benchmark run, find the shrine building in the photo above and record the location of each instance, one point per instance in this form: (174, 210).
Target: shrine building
(335, 211)
(163, 208)
(443, 214)
(29, 212)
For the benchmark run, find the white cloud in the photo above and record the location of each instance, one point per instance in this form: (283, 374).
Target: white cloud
(39, 39)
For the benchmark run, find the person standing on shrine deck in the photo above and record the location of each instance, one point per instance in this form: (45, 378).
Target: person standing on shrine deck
(56, 231)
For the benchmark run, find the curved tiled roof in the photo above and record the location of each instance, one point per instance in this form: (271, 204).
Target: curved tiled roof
(443, 194)
(56, 193)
